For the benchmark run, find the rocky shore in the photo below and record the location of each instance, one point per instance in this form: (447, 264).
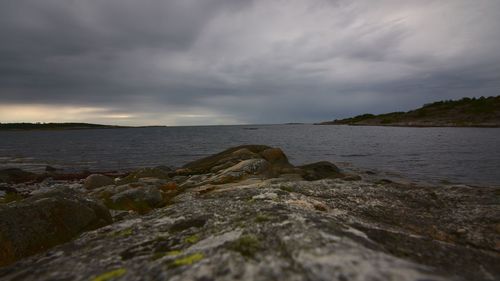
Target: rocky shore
(244, 214)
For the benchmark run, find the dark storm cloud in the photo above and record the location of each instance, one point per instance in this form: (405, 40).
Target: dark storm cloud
(58, 51)
(227, 61)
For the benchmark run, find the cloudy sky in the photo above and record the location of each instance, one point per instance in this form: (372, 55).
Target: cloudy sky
(189, 62)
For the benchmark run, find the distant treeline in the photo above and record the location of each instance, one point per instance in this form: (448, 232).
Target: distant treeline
(471, 105)
(53, 126)
(466, 112)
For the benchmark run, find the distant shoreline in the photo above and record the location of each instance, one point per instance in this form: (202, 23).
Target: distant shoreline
(410, 126)
(467, 112)
(62, 126)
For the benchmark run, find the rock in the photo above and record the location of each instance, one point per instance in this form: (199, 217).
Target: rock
(351, 177)
(15, 175)
(242, 170)
(266, 196)
(152, 181)
(277, 162)
(97, 180)
(276, 157)
(141, 199)
(225, 164)
(141, 196)
(250, 167)
(244, 154)
(320, 170)
(45, 220)
(164, 168)
(8, 189)
(235, 154)
(159, 173)
(260, 227)
(194, 180)
(294, 230)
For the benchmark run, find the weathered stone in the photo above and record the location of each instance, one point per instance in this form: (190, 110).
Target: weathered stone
(141, 199)
(266, 196)
(241, 170)
(205, 165)
(224, 165)
(109, 190)
(276, 157)
(97, 180)
(244, 154)
(296, 230)
(159, 173)
(195, 180)
(45, 220)
(152, 181)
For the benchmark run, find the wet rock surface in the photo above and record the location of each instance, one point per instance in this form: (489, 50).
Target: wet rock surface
(247, 214)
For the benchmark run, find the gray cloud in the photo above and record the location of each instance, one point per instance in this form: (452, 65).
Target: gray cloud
(226, 61)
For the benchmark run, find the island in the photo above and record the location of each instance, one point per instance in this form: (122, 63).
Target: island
(466, 112)
(60, 126)
(245, 213)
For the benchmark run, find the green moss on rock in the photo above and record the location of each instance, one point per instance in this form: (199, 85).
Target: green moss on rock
(188, 260)
(192, 239)
(110, 275)
(262, 218)
(122, 233)
(166, 254)
(246, 245)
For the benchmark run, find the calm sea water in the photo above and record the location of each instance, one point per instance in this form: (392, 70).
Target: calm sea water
(464, 155)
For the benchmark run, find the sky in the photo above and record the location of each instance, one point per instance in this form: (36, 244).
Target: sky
(208, 62)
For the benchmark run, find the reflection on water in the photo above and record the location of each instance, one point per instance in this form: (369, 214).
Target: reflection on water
(468, 155)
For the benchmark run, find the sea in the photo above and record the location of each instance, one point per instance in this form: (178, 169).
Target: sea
(431, 155)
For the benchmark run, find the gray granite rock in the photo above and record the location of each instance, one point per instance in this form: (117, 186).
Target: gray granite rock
(45, 220)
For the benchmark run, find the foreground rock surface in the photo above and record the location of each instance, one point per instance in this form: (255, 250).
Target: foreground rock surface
(45, 220)
(247, 215)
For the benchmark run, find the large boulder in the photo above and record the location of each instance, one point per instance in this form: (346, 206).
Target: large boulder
(231, 156)
(239, 163)
(45, 220)
(15, 175)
